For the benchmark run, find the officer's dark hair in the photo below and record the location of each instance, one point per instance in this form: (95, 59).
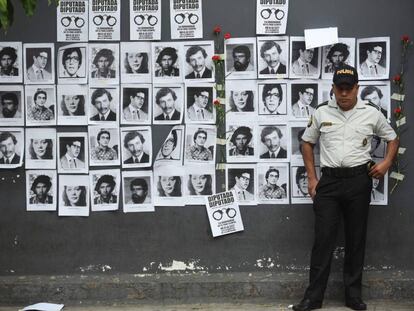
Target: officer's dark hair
(8, 50)
(272, 169)
(369, 90)
(109, 179)
(10, 96)
(269, 130)
(43, 179)
(131, 135)
(164, 92)
(6, 135)
(300, 174)
(243, 130)
(267, 45)
(67, 52)
(100, 92)
(107, 53)
(101, 132)
(267, 88)
(242, 49)
(199, 131)
(139, 182)
(167, 51)
(193, 50)
(338, 47)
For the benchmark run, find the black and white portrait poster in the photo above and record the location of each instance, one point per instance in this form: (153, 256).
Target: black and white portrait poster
(136, 146)
(41, 148)
(137, 191)
(135, 62)
(73, 152)
(223, 213)
(104, 105)
(168, 103)
(41, 190)
(11, 62)
(105, 187)
(304, 98)
(199, 182)
(241, 143)
(199, 98)
(241, 179)
(273, 183)
(241, 99)
(12, 105)
(11, 147)
(144, 20)
(377, 93)
(169, 186)
(326, 91)
(103, 64)
(373, 58)
(336, 55)
(273, 57)
(296, 132)
(186, 18)
(72, 21)
(72, 64)
(71, 104)
(39, 63)
(103, 145)
(73, 195)
(197, 60)
(273, 98)
(166, 62)
(299, 184)
(40, 105)
(171, 150)
(304, 63)
(271, 17)
(200, 143)
(136, 102)
(105, 20)
(274, 142)
(241, 58)
(379, 192)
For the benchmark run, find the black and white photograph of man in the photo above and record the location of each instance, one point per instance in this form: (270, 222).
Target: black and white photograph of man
(103, 145)
(305, 63)
(377, 93)
(71, 104)
(273, 145)
(241, 143)
(378, 147)
(104, 63)
(198, 63)
(241, 180)
(273, 183)
(199, 103)
(137, 191)
(11, 105)
(171, 149)
(135, 104)
(72, 60)
(296, 131)
(104, 105)
(41, 148)
(72, 153)
(135, 62)
(304, 98)
(378, 192)
(373, 58)
(11, 62)
(273, 57)
(137, 146)
(40, 105)
(168, 104)
(200, 143)
(272, 101)
(336, 55)
(41, 190)
(299, 184)
(166, 63)
(39, 63)
(73, 195)
(11, 147)
(240, 58)
(105, 187)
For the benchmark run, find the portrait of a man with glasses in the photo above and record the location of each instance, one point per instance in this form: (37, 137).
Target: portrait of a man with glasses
(242, 180)
(371, 62)
(72, 62)
(199, 102)
(71, 159)
(38, 60)
(135, 104)
(272, 99)
(305, 99)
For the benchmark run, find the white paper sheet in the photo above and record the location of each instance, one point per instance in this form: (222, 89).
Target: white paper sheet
(73, 195)
(273, 183)
(105, 20)
(169, 186)
(199, 182)
(145, 20)
(200, 144)
(271, 17)
(136, 147)
(105, 188)
(73, 155)
(104, 145)
(240, 62)
(44, 306)
(12, 94)
(41, 148)
(186, 18)
(373, 58)
(13, 72)
(135, 62)
(136, 104)
(138, 191)
(41, 190)
(11, 147)
(72, 20)
(39, 63)
(199, 98)
(318, 37)
(40, 105)
(72, 64)
(171, 150)
(242, 179)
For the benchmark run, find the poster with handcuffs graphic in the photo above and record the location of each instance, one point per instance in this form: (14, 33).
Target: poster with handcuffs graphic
(224, 213)
(186, 18)
(145, 20)
(105, 20)
(271, 17)
(72, 21)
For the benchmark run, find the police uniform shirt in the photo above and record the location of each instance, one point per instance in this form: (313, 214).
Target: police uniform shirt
(345, 137)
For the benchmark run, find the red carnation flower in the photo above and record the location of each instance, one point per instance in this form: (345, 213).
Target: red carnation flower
(217, 29)
(397, 78)
(216, 102)
(405, 38)
(227, 35)
(397, 110)
(216, 58)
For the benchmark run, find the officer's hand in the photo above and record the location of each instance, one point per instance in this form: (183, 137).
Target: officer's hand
(312, 183)
(379, 169)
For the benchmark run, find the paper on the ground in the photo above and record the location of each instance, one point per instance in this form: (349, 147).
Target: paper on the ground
(43, 306)
(318, 37)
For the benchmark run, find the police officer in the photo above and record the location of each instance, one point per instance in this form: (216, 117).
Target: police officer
(344, 127)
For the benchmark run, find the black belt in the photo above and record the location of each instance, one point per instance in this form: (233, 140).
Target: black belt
(341, 172)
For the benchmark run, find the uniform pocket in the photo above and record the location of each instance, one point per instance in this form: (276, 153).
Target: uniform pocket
(330, 135)
(363, 137)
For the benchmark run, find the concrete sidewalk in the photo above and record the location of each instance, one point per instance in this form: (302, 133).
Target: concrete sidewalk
(373, 305)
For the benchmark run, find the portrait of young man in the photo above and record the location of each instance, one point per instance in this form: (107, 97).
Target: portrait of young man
(135, 103)
(139, 191)
(270, 52)
(196, 58)
(39, 64)
(135, 144)
(273, 100)
(41, 108)
(41, 191)
(8, 57)
(305, 62)
(199, 104)
(169, 146)
(10, 106)
(105, 189)
(197, 150)
(241, 61)
(102, 64)
(167, 103)
(102, 101)
(372, 58)
(104, 144)
(10, 155)
(72, 64)
(241, 181)
(304, 99)
(271, 137)
(240, 142)
(167, 61)
(73, 153)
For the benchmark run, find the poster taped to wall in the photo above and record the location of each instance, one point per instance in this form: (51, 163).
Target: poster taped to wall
(186, 18)
(145, 20)
(271, 17)
(105, 20)
(72, 21)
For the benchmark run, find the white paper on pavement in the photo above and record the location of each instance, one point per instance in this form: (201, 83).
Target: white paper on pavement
(43, 306)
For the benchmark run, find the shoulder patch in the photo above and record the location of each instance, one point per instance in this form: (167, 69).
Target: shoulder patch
(323, 104)
(372, 105)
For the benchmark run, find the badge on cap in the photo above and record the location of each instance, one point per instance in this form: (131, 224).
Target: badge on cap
(365, 142)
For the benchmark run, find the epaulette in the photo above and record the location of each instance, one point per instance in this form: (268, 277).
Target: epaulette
(323, 104)
(372, 105)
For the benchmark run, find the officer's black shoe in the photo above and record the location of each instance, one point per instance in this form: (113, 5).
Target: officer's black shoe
(307, 305)
(355, 303)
